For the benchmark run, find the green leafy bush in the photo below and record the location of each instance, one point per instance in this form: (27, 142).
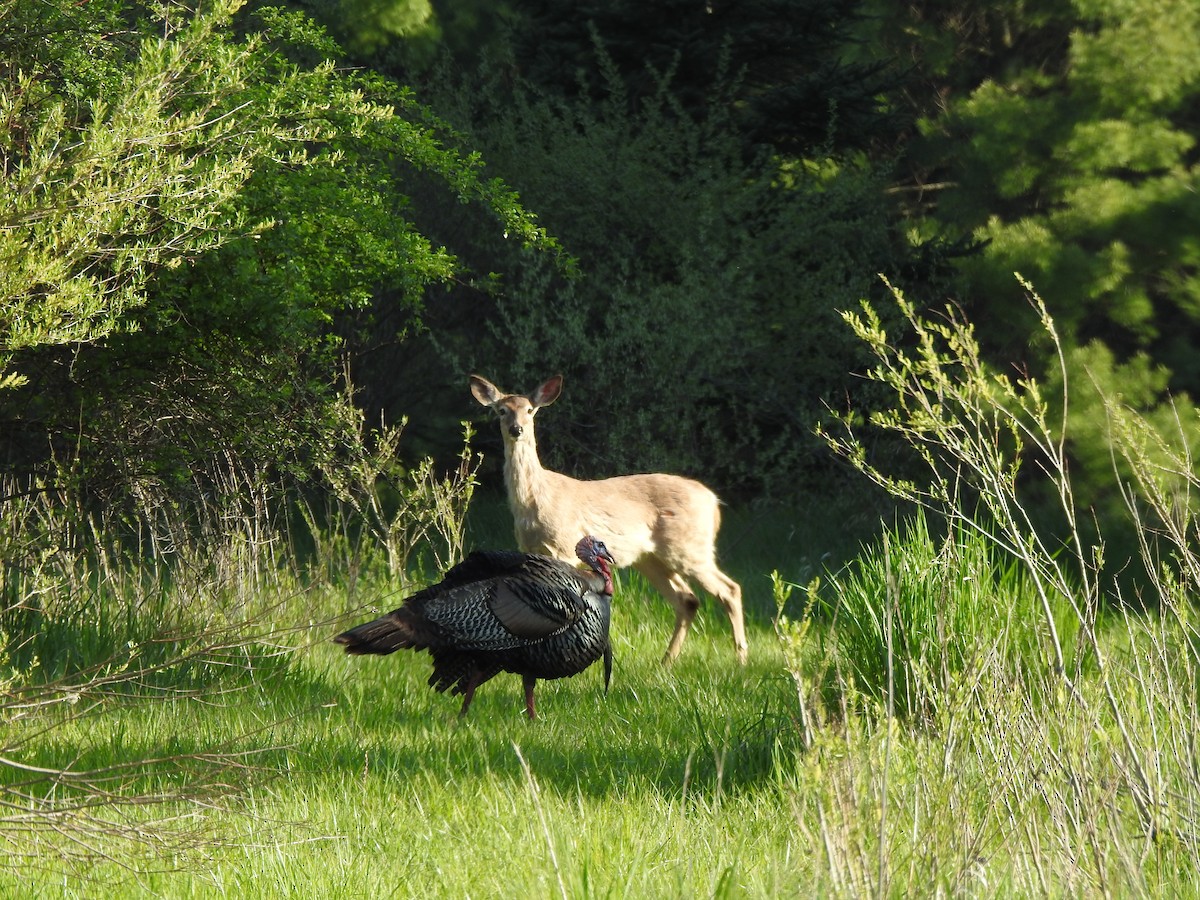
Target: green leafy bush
(187, 309)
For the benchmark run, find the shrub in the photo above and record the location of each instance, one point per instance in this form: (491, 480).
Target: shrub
(1107, 753)
(699, 332)
(915, 617)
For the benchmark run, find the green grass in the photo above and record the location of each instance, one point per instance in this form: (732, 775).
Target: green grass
(785, 777)
(920, 612)
(362, 781)
(664, 787)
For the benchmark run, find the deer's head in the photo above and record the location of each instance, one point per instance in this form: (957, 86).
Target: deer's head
(515, 411)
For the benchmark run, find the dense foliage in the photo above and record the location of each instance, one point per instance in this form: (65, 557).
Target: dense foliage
(698, 327)
(699, 333)
(789, 84)
(208, 223)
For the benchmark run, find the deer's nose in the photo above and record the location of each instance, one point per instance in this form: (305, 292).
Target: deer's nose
(515, 430)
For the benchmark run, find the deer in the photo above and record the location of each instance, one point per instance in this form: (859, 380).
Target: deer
(664, 526)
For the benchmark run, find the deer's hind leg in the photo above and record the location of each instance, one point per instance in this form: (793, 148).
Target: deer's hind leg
(680, 595)
(729, 593)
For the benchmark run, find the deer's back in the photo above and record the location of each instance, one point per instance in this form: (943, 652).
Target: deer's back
(635, 515)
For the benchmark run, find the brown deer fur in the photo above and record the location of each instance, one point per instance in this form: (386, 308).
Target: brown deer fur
(664, 526)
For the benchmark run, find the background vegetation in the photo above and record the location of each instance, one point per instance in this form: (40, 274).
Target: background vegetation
(719, 181)
(249, 252)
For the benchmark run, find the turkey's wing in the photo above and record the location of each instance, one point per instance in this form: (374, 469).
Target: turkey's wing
(537, 609)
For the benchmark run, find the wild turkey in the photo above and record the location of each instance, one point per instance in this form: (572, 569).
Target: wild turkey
(503, 611)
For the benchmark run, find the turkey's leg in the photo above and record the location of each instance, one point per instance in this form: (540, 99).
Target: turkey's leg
(530, 683)
(473, 682)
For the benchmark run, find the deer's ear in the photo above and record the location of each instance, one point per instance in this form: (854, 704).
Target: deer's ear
(547, 392)
(485, 392)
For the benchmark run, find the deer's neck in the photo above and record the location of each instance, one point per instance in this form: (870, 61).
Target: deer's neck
(523, 473)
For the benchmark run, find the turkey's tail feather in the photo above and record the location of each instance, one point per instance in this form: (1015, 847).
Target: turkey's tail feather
(385, 635)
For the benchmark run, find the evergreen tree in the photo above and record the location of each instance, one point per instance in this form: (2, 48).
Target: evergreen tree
(1071, 156)
(1062, 138)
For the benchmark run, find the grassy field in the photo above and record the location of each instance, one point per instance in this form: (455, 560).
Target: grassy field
(323, 775)
(360, 780)
(665, 786)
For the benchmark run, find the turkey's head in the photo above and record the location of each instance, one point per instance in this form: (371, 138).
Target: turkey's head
(593, 552)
